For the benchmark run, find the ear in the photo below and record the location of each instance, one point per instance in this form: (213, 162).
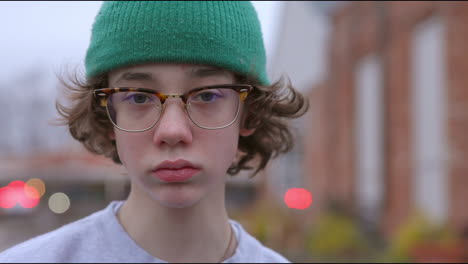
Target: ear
(111, 135)
(244, 132)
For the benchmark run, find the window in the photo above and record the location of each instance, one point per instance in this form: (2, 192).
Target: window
(369, 140)
(430, 181)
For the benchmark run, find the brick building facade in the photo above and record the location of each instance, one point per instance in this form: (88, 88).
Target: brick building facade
(386, 30)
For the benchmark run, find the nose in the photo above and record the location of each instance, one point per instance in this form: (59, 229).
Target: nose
(174, 126)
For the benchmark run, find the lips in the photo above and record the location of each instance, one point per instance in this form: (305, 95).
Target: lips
(175, 171)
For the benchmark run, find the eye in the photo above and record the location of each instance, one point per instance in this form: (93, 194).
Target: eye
(206, 96)
(139, 98)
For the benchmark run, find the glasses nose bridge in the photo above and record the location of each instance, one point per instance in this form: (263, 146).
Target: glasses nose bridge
(173, 96)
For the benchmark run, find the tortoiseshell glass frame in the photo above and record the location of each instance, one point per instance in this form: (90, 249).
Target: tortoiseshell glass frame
(102, 95)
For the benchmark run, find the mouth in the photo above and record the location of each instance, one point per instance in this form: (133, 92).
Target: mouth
(175, 171)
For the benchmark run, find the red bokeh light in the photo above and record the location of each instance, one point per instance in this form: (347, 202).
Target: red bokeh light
(18, 192)
(298, 198)
(7, 197)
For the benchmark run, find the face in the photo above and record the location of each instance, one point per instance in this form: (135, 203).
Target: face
(176, 163)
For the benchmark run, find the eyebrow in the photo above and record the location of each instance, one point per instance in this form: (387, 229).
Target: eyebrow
(136, 76)
(207, 71)
(199, 72)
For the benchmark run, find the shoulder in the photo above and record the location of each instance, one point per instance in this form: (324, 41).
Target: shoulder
(64, 242)
(251, 250)
(271, 256)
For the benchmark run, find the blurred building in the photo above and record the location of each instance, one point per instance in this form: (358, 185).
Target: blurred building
(300, 56)
(386, 135)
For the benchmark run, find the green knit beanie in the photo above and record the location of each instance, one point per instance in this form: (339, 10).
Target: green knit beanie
(226, 34)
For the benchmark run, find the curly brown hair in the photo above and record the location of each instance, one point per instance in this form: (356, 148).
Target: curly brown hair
(267, 109)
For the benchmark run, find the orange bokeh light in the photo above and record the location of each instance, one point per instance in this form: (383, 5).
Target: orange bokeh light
(36, 184)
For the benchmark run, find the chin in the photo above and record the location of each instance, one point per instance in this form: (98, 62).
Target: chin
(177, 199)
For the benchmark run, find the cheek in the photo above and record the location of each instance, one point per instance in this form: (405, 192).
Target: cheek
(221, 146)
(128, 148)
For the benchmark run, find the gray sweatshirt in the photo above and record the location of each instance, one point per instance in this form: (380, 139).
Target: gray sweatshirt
(100, 238)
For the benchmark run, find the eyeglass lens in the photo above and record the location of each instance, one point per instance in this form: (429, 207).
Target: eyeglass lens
(210, 108)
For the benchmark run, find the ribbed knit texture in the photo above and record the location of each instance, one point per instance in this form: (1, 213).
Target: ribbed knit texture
(226, 34)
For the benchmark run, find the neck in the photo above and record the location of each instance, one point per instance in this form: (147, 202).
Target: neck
(199, 233)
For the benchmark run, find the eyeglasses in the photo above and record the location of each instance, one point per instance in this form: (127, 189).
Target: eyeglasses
(139, 109)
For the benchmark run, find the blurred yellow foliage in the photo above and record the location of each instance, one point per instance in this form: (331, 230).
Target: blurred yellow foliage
(274, 225)
(336, 235)
(418, 229)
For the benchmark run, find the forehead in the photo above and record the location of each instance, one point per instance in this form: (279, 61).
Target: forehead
(157, 72)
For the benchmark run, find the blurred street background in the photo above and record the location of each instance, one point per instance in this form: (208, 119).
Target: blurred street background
(383, 148)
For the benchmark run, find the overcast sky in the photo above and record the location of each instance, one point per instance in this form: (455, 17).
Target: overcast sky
(54, 34)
